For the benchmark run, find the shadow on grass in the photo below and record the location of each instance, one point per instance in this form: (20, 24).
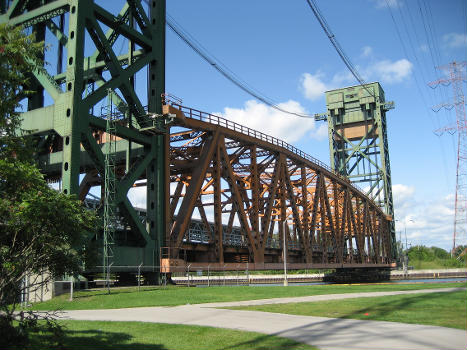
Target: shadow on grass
(90, 340)
(339, 331)
(87, 293)
(358, 330)
(97, 339)
(386, 308)
(286, 343)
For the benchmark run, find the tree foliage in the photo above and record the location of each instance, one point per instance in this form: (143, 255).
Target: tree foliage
(41, 230)
(19, 55)
(422, 253)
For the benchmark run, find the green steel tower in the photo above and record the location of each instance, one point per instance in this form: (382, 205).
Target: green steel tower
(358, 140)
(63, 115)
(110, 188)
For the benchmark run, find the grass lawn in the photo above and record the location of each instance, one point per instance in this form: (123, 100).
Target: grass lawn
(435, 264)
(156, 336)
(447, 309)
(173, 295)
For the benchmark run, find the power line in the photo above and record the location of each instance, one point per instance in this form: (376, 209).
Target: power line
(435, 44)
(405, 50)
(416, 38)
(215, 63)
(434, 56)
(430, 42)
(411, 45)
(226, 72)
(332, 38)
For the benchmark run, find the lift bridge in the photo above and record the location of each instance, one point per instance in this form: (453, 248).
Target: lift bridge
(258, 199)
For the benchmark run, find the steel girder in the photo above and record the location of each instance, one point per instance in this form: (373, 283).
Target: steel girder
(232, 176)
(67, 131)
(249, 190)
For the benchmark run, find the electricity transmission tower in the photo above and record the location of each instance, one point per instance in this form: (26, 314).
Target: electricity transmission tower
(456, 77)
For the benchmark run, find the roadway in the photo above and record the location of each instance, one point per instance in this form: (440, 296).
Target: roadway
(325, 333)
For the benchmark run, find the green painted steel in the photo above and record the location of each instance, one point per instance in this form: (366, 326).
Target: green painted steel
(358, 141)
(64, 113)
(110, 190)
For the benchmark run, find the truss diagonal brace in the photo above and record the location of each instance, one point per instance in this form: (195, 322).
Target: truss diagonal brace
(194, 188)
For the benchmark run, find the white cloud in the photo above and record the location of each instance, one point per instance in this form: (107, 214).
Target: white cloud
(385, 3)
(402, 194)
(137, 196)
(390, 72)
(342, 78)
(367, 51)
(322, 132)
(426, 222)
(270, 121)
(424, 48)
(313, 86)
(455, 40)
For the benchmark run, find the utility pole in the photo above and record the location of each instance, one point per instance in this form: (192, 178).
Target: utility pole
(284, 250)
(456, 77)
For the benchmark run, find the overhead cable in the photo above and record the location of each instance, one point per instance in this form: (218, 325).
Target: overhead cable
(337, 46)
(215, 63)
(224, 70)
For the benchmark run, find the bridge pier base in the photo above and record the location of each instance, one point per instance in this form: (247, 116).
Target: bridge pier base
(151, 278)
(355, 275)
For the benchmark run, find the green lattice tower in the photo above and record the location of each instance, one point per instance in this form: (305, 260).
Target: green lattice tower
(110, 186)
(358, 141)
(62, 113)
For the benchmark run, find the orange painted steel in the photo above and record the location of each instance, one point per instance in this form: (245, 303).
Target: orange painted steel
(237, 179)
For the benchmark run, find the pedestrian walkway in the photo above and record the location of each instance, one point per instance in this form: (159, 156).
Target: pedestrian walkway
(325, 333)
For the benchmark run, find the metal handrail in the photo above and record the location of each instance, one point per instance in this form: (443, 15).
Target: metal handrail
(196, 114)
(216, 120)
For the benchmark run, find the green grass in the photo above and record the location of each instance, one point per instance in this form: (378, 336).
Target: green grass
(447, 309)
(156, 336)
(436, 264)
(171, 296)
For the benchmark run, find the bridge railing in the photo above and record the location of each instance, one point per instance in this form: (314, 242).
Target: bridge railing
(216, 120)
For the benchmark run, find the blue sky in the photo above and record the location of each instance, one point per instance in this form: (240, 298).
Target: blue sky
(279, 48)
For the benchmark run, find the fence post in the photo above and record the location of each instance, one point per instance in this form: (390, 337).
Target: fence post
(71, 288)
(108, 278)
(139, 276)
(284, 249)
(188, 274)
(209, 275)
(224, 273)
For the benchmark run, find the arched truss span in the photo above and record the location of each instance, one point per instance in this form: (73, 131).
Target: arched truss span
(253, 192)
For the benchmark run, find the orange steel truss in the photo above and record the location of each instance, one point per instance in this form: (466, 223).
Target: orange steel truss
(233, 193)
(232, 177)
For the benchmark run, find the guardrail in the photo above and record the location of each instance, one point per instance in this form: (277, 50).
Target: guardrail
(196, 114)
(214, 119)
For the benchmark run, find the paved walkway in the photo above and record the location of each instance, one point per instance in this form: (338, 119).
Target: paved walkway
(325, 333)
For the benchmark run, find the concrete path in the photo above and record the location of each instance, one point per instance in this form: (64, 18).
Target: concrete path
(325, 333)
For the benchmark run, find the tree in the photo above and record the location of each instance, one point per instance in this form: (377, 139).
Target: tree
(19, 55)
(41, 230)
